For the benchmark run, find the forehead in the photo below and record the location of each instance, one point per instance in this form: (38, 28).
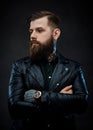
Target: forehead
(41, 22)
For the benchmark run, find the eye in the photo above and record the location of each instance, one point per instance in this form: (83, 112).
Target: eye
(30, 31)
(40, 30)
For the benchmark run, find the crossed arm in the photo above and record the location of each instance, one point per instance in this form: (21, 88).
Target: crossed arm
(66, 90)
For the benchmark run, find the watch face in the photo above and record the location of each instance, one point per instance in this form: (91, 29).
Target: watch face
(37, 94)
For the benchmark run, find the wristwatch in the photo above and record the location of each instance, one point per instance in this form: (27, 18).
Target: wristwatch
(37, 94)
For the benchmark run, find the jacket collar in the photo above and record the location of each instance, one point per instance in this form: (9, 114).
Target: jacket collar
(61, 58)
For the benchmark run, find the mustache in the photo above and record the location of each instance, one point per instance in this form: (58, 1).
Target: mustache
(34, 42)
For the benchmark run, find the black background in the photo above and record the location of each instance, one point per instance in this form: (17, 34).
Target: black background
(75, 43)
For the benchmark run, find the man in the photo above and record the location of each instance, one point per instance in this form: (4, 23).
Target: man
(46, 90)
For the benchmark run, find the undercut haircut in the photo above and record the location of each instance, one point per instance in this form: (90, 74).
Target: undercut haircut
(53, 19)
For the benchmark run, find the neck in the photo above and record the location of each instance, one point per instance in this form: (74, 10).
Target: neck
(51, 57)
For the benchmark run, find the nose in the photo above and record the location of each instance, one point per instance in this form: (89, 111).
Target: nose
(33, 35)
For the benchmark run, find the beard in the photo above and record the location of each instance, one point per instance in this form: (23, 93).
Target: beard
(39, 52)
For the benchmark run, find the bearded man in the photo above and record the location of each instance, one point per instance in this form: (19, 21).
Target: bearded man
(46, 89)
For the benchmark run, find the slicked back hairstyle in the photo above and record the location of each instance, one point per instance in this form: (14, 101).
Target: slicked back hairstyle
(53, 19)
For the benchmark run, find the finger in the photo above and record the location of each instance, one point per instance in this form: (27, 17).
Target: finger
(70, 91)
(67, 88)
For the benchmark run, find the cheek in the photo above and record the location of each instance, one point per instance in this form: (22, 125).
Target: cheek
(44, 38)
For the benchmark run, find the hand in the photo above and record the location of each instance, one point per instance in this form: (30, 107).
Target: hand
(29, 95)
(67, 90)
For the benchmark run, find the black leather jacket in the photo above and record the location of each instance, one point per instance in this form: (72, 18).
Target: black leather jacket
(52, 105)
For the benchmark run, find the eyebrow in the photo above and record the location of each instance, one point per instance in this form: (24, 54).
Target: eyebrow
(37, 28)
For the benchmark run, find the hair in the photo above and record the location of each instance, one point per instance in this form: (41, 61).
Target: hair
(53, 19)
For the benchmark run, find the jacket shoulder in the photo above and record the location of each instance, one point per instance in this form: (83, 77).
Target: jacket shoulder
(69, 61)
(22, 62)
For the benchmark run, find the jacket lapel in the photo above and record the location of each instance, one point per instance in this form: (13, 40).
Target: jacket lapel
(35, 72)
(58, 75)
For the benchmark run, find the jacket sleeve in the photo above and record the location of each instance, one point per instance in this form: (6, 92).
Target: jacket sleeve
(16, 104)
(75, 103)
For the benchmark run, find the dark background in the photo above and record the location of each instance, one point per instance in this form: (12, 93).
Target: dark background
(76, 43)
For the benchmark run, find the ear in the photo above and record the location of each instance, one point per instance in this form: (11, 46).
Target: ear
(56, 33)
